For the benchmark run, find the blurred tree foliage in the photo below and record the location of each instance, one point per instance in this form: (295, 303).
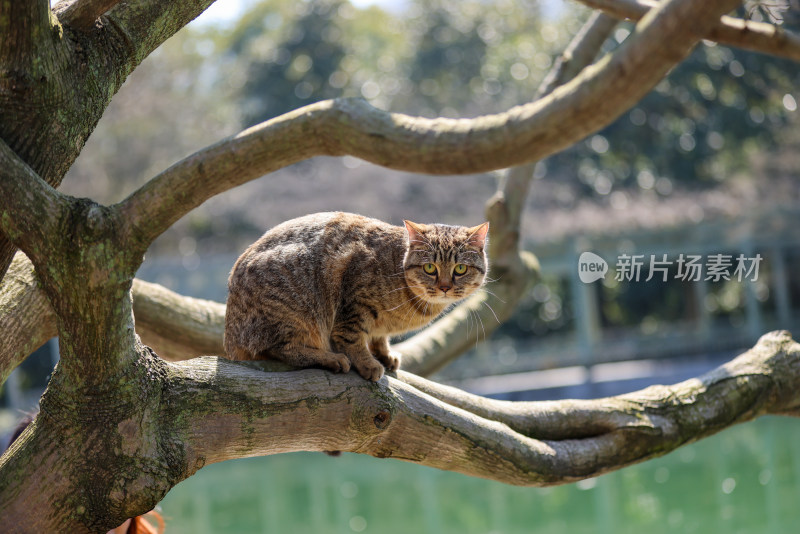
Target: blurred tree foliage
(699, 126)
(439, 58)
(291, 52)
(432, 58)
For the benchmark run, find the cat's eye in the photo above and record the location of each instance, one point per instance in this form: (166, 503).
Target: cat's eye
(429, 268)
(460, 269)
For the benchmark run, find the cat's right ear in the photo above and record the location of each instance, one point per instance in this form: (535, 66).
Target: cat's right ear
(414, 232)
(477, 235)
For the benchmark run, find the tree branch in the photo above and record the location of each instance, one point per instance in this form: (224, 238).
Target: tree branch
(579, 53)
(756, 36)
(31, 209)
(146, 24)
(230, 412)
(82, 14)
(523, 134)
(26, 317)
(177, 327)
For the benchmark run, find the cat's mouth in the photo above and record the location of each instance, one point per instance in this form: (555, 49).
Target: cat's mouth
(440, 297)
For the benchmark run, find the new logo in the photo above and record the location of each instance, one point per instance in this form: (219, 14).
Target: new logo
(591, 267)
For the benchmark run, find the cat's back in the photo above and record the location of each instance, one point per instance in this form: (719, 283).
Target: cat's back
(322, 242)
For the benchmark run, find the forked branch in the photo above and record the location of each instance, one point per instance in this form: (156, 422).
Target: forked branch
(177, 327)
(530, 443)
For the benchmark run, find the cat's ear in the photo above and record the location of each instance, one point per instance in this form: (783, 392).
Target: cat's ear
(477, 235)
(414, 232)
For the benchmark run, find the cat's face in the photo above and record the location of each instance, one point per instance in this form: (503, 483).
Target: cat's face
(444, 264)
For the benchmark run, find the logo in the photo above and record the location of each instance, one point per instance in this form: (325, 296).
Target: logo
(591, 267)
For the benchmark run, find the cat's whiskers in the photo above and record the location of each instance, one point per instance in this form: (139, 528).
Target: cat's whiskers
(473, 316)
(402, 288)
(413, 308)
(491, 293)
(425, 311)
(478, 315)
(412, 299)
(491, 310)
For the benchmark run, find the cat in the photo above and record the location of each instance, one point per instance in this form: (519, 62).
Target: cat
(329, 289)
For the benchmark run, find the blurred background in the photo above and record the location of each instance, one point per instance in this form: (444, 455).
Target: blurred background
(706, 164)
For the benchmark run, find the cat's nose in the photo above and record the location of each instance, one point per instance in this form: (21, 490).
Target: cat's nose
(445, 288)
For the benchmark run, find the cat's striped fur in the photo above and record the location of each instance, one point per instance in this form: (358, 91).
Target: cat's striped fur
(329, 289)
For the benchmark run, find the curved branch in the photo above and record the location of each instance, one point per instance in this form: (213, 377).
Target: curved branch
(523, 134)
(249, 412)
(756, 36)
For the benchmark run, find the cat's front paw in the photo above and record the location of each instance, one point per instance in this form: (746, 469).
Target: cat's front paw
(391, 360)
(337, 362)
(371, 370)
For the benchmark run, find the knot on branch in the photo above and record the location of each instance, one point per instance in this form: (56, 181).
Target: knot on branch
(382, 419)
(374, 410)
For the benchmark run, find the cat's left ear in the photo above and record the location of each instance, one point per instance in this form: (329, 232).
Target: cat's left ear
(477, 237)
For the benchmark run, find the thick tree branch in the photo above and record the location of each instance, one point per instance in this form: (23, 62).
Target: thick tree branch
(523, 134)
(209, 409)
(82, 14)
(74, 240)
(231, 412)
(756, 36)
(56, 82)
(148, 23)
(31, 210)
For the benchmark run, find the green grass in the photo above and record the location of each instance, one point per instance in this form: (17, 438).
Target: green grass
(744, 480)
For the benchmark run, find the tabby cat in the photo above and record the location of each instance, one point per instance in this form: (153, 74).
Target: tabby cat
(329, 289)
